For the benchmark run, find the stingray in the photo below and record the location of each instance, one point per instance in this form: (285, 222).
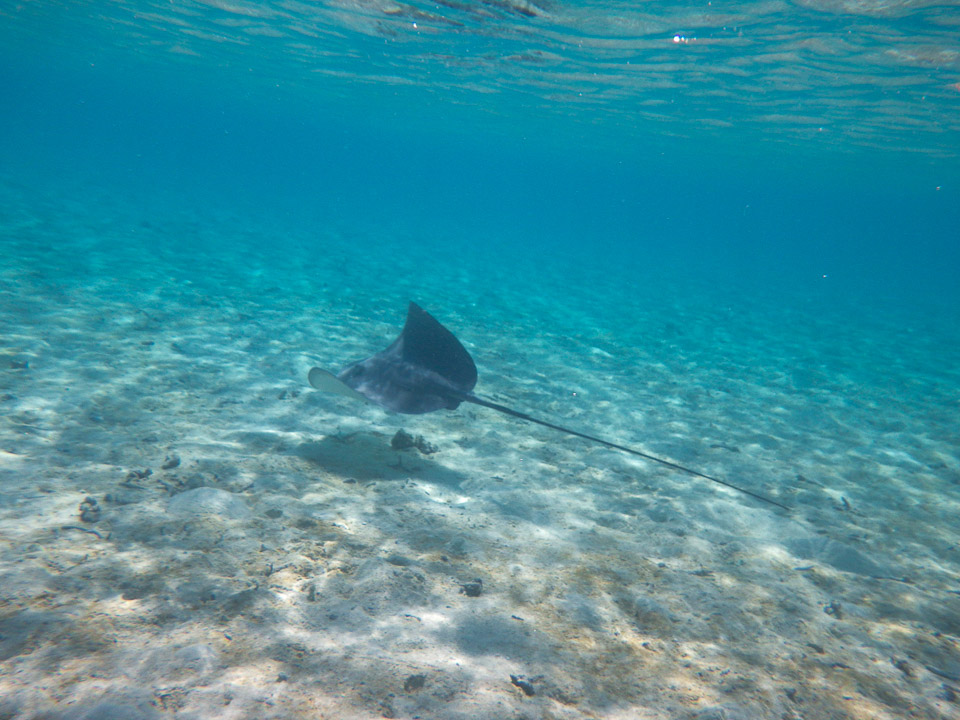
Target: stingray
(426, 369)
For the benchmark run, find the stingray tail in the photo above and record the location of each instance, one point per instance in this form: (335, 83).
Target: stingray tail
(466, 397)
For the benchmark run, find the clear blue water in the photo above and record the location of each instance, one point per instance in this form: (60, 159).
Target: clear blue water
(707, 158)
(726, 233)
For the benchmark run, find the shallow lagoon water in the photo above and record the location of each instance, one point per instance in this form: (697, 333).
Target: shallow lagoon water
(262, 551)
(188, 530)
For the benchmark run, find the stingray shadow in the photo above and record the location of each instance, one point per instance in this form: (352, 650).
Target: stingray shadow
(366, 457)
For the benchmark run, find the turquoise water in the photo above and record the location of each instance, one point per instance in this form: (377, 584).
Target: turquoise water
(723, 234)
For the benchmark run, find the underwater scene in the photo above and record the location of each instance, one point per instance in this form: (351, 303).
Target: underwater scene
(479, 359)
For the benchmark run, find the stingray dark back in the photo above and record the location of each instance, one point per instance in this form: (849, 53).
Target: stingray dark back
(424, 369)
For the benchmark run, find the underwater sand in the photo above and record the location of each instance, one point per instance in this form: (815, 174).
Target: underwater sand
(254, 549)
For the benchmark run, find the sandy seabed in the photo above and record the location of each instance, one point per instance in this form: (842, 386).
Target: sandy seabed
(189, 531)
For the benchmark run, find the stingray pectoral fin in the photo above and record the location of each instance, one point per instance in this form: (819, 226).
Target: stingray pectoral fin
(320, 379)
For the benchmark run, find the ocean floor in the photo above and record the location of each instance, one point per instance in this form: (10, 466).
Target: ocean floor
(188, 530)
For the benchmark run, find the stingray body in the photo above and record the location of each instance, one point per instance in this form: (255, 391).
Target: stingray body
(423, 370)
(426, 369)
